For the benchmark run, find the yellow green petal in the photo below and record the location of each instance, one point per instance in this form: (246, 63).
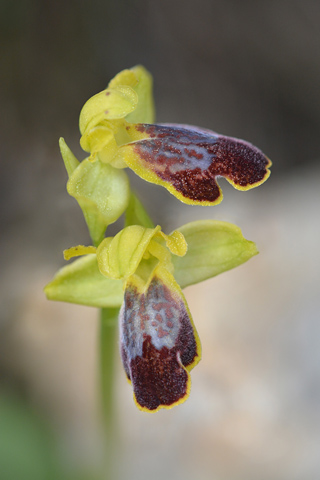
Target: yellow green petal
(82, 283)
(100, 140)
(120, 256)
(145, 110)
(78, 251)
(176, 243)
(110, 104)
(213, 247)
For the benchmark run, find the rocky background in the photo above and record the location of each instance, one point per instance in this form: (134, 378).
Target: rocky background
(245, 69)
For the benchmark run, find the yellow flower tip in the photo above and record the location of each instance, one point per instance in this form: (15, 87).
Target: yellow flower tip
(177, 243)
(140, 71)
(140, 80)
(125, 77)
(130, 77)
(78, 251)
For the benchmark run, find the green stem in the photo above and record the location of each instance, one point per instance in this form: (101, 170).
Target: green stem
(108, 343)
(108, 330)
(108, 346)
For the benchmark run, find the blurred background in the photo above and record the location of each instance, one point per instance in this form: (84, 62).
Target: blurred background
(245, 69)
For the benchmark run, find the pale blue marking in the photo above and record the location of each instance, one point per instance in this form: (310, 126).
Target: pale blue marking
(131, 334)
(184, 138)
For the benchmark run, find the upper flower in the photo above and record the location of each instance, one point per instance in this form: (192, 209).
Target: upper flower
(115, 124)
(117, 132)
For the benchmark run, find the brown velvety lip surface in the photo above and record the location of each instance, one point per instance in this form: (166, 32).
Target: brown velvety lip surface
(190, 160)
(155, 367)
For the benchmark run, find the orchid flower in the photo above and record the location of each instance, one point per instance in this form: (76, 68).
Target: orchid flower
(186, 160)
(159, 344)
(141, 270)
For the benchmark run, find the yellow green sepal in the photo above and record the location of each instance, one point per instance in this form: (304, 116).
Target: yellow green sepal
(70, 161)
(213, 247)
(145, 110)
(102, 193)
(82, 283)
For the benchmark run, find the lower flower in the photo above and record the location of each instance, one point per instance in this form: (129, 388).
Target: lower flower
(159, 344)
(158, 341)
